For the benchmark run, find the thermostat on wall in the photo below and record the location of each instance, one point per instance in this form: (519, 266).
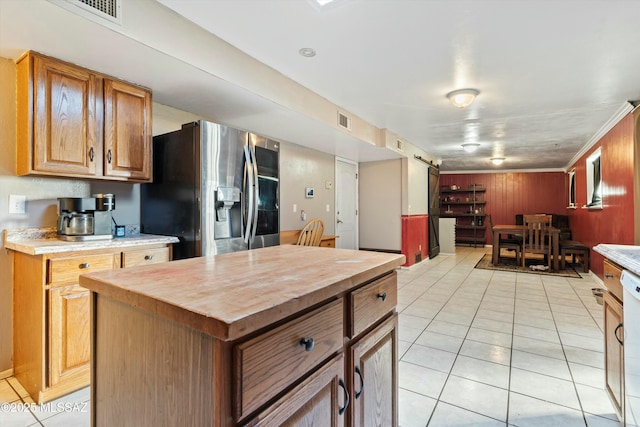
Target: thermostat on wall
(309, 193)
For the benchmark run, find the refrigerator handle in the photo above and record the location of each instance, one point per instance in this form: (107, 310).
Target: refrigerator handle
(249, 189)
(256, 193)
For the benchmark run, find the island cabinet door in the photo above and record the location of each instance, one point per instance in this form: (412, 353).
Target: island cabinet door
(373, 377)
(69, 333)
(320, 400)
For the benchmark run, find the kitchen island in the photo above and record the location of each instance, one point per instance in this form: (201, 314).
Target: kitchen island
(280, 335)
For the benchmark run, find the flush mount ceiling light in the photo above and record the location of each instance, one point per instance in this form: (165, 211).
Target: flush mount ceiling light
(497, 160)
(470, 147)
(307, 52)
(323, 2)
(462, 97)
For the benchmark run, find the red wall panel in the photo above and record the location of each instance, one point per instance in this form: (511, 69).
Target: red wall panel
(508, 194)
(614, 223)
(415, 237)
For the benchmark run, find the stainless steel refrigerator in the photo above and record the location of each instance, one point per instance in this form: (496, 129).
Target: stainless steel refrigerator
(215, 188)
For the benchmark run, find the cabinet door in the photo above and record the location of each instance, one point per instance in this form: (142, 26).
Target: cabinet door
(613, 356)
(127, 128)
(373, 377)
(69, 333)
(321, 400)
(66, 119)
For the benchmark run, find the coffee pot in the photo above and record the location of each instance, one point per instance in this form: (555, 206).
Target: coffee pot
(85, 218)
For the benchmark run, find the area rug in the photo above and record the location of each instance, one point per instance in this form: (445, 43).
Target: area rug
(509, 264)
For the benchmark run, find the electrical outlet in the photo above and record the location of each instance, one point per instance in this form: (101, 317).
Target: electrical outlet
(328, 208)
(17, 204)
(295, 207)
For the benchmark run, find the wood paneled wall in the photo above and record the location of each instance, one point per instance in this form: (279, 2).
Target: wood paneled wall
(614, 223)
(508, 194)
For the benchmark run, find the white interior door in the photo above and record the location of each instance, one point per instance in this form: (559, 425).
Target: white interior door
(346, 204)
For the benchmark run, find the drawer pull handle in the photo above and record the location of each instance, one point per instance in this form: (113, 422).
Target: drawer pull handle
(346, 397)
(307, 343)
(109, 156)
(608, 276)
(615, 333)
(148, 257)
(84, 265)
(358, 393)
(382, 296)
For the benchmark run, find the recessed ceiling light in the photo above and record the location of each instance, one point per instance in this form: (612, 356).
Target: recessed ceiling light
(463, 97)
(307, 52)
(470, 147)
(497, 160)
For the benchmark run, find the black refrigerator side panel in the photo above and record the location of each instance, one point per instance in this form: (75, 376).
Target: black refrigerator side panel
(169, 205)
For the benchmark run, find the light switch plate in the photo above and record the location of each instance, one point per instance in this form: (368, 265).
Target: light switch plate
(17, 204)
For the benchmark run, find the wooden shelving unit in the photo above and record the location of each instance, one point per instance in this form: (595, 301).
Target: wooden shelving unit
(466, 205)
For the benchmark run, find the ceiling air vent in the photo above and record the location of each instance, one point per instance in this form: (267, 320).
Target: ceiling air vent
(105, 10)
(344, 121)
(399, 145)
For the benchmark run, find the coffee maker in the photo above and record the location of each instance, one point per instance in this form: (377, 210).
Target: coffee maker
(85, 218)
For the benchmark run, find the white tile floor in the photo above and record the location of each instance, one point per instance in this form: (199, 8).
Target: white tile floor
(491, 348)
(477, 348)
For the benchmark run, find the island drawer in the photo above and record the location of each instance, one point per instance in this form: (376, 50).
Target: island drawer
(612, 275)
(132, 258)
(372, 302)
(65, 271)
(267, 364)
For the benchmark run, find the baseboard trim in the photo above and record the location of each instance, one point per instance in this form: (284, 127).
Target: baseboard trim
(387, 251)
(6, 374)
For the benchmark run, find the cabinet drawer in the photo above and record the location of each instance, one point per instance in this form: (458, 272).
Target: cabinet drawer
(269, 363)
(372, 302)
(145, 256)
(612, 275)
(65, 271)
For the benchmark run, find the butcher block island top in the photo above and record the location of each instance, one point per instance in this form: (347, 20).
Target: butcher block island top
(232, 295)
(266, 337)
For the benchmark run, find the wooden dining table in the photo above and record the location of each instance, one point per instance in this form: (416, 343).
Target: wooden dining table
(519, 229)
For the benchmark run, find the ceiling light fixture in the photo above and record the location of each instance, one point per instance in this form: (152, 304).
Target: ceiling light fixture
(462, 97)
(307, 52)
(497, 160)
(470, 147)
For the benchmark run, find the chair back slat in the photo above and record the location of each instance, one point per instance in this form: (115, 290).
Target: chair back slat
(311, 234)
(537, 229)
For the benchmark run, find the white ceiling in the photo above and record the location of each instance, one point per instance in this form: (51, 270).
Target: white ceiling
(550, 73)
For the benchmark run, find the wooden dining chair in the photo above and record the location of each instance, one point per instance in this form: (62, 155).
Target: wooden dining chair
(537, 237)
(511, 243)
(311, 234)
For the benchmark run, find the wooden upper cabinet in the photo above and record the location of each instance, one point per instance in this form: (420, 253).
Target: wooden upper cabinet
(65, 114)
(127, 112)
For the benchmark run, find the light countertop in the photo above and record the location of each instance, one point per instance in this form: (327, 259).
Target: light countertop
(627, 256)
(44, 241)
(230, 295)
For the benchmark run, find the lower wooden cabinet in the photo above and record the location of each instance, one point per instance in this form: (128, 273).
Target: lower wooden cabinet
(51, 319)
(374, 377)
(614, 353)
(321, 400)
(69, 334)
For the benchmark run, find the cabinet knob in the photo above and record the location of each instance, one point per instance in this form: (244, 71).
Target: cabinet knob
(307, 343)
(84, 265)
(382, 296)
(148, 257)
(346, 397)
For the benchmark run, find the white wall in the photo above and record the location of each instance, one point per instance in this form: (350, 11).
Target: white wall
(381, 205)
(415, 175)
(300, 168)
